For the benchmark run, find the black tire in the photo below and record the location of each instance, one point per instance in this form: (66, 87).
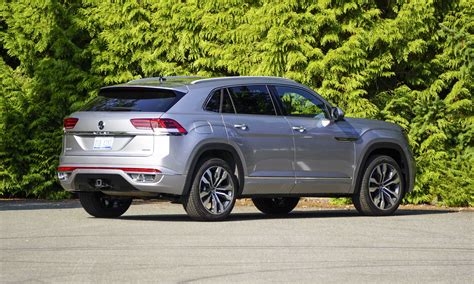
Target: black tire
(276, 206)
(194, 203)
(364, 200)
(100, 205)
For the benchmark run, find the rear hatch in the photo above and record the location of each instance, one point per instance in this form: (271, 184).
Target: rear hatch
(104, 126)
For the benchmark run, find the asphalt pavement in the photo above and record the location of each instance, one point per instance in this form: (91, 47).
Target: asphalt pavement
(156, 242)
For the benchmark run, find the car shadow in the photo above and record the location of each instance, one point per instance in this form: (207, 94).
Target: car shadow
(297, 214)
(38, 204)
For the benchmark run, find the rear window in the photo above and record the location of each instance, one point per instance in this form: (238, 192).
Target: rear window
(133, 99)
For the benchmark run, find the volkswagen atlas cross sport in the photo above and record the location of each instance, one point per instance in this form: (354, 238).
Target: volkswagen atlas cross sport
(207, 142)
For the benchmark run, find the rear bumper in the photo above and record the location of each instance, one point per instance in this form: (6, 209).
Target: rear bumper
(116, 180)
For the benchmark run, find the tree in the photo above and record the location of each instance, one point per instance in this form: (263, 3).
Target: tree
(408, 62)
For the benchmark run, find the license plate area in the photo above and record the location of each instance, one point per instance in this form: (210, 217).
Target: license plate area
(103, 143)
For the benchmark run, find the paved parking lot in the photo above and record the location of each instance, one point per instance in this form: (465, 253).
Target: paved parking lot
(157, 242)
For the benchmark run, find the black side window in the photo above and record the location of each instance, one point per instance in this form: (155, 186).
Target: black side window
(297, 102)
(227, 105)
(252, 99)
(214, 102)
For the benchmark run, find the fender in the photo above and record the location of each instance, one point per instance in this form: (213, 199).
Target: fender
(380, 146)
(191, 168)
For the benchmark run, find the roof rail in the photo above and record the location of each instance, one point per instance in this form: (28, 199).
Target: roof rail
(205, 80)
(164, 78)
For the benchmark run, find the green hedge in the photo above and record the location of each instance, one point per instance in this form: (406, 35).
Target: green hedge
(409, 62)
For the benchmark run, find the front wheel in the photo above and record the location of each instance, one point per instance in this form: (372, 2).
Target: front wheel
(276, 206)
(100, 205)
(381, 189)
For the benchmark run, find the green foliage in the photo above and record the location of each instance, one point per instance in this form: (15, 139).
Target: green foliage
(44, 71)
(409, 62)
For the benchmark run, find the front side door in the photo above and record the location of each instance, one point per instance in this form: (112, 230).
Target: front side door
(324, 149)
(263, 137)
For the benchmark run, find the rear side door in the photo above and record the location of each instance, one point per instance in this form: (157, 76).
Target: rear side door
(263, 137)
(324, 149)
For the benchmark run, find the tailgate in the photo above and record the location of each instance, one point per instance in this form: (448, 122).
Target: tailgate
(108, 134)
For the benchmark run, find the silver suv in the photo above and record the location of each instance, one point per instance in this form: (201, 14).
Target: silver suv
(206, 142)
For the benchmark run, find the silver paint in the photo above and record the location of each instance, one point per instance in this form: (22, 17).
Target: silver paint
(280, 155)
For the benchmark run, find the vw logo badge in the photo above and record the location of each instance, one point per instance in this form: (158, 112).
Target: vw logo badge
(101, 125)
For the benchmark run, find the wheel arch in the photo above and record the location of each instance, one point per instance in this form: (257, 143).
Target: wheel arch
(390, 149)
(220, 150)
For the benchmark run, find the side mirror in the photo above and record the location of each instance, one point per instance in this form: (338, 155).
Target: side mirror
(337, 114)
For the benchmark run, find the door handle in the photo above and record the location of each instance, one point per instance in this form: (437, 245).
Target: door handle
(300, 129)
(242, 126)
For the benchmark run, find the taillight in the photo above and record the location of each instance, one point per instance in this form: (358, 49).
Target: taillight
(70, 122)
(164, 125)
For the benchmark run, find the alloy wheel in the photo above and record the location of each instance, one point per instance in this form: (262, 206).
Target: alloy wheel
(384, 186)
(216, 190)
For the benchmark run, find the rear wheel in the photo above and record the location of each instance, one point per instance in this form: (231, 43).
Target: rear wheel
(276, 206)
(100, 205)
(212, 194)
(382, 187)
